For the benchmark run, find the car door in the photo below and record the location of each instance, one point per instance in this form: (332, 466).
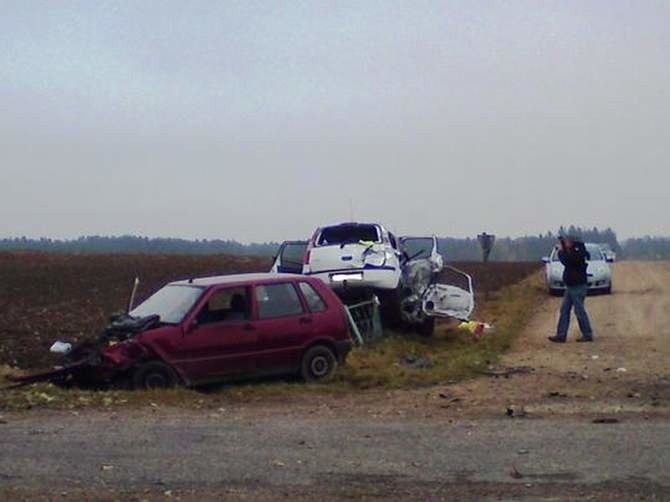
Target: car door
(324, 324)
(425, 280)
(220, 338)
(283, 326)
(448, 300)
(289, 259)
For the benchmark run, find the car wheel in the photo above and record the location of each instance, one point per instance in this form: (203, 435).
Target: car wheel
(555, 292)
(318, 363)
(427, 327)
(154, 375)
(390, 307)
(608, 290)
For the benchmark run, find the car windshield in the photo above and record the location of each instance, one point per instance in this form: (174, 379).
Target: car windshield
(171, 303)
(347, 234)
(593, 249)
(596, 252)
(418, 248)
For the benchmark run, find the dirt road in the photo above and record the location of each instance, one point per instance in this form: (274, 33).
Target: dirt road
(626, 370)
(452, 441)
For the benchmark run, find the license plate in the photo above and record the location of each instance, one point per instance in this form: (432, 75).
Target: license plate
(347, 277)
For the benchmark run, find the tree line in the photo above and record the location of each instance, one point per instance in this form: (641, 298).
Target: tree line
(136, 244)
(526, 248)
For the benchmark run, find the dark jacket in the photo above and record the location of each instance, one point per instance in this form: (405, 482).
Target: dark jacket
(574, 261)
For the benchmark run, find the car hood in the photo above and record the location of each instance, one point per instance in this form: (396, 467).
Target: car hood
(594, 268)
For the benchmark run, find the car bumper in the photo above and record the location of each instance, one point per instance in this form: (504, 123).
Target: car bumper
(342, 349)
(360, 278)
(592, 285)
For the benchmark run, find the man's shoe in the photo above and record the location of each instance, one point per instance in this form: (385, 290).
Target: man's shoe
(556, 339)
(582, 339)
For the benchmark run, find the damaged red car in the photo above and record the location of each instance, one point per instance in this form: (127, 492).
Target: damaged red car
(206, 330)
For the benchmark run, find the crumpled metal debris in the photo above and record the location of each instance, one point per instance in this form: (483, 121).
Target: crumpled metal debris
(417, 362)
(83, 361)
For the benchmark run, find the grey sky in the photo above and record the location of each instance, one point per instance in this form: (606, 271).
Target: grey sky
(260, 120)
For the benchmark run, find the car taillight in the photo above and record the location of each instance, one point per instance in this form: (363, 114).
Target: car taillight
(308, 251)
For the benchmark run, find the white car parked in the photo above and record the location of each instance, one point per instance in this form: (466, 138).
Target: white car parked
(598, 271)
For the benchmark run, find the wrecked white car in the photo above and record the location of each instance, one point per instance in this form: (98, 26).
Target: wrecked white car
(423, 297)
(354, 255)
(359, 260)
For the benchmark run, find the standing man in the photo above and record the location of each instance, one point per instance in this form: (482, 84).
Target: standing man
(573, 255)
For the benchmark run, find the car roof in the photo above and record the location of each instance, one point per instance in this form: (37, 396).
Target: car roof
(351, 224)
(236, 279)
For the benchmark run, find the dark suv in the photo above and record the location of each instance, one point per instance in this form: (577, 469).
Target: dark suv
(211, 329)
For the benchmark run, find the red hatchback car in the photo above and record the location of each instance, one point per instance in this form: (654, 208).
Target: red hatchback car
(215, 328)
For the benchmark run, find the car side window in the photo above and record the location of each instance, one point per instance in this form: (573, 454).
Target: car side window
(225, 305)
(277, 300)
(314, 300)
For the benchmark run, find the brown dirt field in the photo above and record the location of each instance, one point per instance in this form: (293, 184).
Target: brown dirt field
(45, 297)
(492, 276)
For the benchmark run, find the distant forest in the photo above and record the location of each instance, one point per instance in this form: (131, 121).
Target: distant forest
(527, 248)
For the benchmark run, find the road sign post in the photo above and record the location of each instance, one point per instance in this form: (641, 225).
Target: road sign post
(486, 242)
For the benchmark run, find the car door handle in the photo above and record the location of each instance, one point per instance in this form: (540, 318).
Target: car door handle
(305, 320)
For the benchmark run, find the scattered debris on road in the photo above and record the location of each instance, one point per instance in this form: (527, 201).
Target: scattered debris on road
(606, 420)
(514, 412)
(507, 372)
(515, 473)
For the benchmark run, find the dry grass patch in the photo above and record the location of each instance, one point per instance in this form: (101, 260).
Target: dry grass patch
(451, 353)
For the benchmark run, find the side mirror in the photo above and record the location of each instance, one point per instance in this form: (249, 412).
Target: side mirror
(545, 259)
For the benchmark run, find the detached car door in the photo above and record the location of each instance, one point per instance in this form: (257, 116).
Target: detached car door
(221, 337)
(425, 280)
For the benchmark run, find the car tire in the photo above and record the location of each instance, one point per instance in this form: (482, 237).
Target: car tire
(318, 363)
(154, 375)
(608, 290)
(427, 327)
(555, 292)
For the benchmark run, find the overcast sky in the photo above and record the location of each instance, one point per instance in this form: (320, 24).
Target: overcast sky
(261, 120)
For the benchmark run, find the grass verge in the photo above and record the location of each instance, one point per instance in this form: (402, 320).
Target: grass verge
(451, 354)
